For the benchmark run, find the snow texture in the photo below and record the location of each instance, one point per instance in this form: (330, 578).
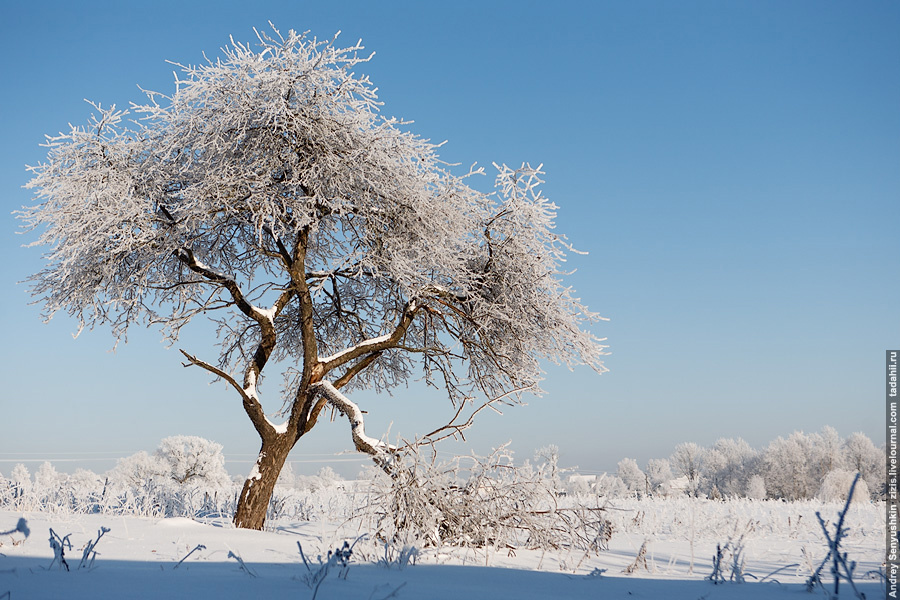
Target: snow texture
(137, 558)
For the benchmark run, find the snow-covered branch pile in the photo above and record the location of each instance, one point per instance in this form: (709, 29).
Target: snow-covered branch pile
(480, 502)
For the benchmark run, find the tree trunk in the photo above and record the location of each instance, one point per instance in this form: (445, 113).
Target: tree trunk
(257, 491)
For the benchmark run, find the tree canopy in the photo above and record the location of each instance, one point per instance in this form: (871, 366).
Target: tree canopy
(270, 194)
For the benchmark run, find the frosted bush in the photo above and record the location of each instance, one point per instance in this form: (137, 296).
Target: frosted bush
(837, 484)
(191, 459)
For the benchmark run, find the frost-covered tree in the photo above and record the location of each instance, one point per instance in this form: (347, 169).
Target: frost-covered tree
(756, 487)
(548, 456)
(21, 485)
(795, 468)
(189, 459)
(631, 475)
(729, 464)
(47, 477)
(687, 460)
(828, 452)
(137, 470)
(179, 460)
(861, 455)
(268, 194)
(84, 488)
(47, 485)
(791, 467)
(659, 475)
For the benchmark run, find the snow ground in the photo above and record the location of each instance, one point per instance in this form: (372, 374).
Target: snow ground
(137, 558)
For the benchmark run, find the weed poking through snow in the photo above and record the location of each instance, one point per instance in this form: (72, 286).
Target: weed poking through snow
(841, 568)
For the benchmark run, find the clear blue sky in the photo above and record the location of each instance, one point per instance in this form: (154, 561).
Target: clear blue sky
(733, 169)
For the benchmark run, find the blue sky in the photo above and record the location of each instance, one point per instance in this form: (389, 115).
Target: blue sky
(733, 170)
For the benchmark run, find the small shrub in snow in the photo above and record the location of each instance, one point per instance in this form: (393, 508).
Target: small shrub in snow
(185, 557)
(59, 545)
(398, 557)
(89, 553)
(731, 554)
(242, 564)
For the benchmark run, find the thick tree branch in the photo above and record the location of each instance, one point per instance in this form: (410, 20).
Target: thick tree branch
(283, 253)
(186, 256)
(251, 403)
(307, 327)
(361, 441)
(356, 369)
(374, 344)
(316, 402)
(265, 319)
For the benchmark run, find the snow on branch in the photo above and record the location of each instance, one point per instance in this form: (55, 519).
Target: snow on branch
(249, 395)
(349, 409)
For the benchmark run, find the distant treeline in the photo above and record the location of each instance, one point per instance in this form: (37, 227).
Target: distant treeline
(799, 467)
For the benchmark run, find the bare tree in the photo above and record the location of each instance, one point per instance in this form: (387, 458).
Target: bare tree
(268, 194)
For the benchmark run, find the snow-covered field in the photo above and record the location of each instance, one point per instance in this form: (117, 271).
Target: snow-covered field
(139, 557)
